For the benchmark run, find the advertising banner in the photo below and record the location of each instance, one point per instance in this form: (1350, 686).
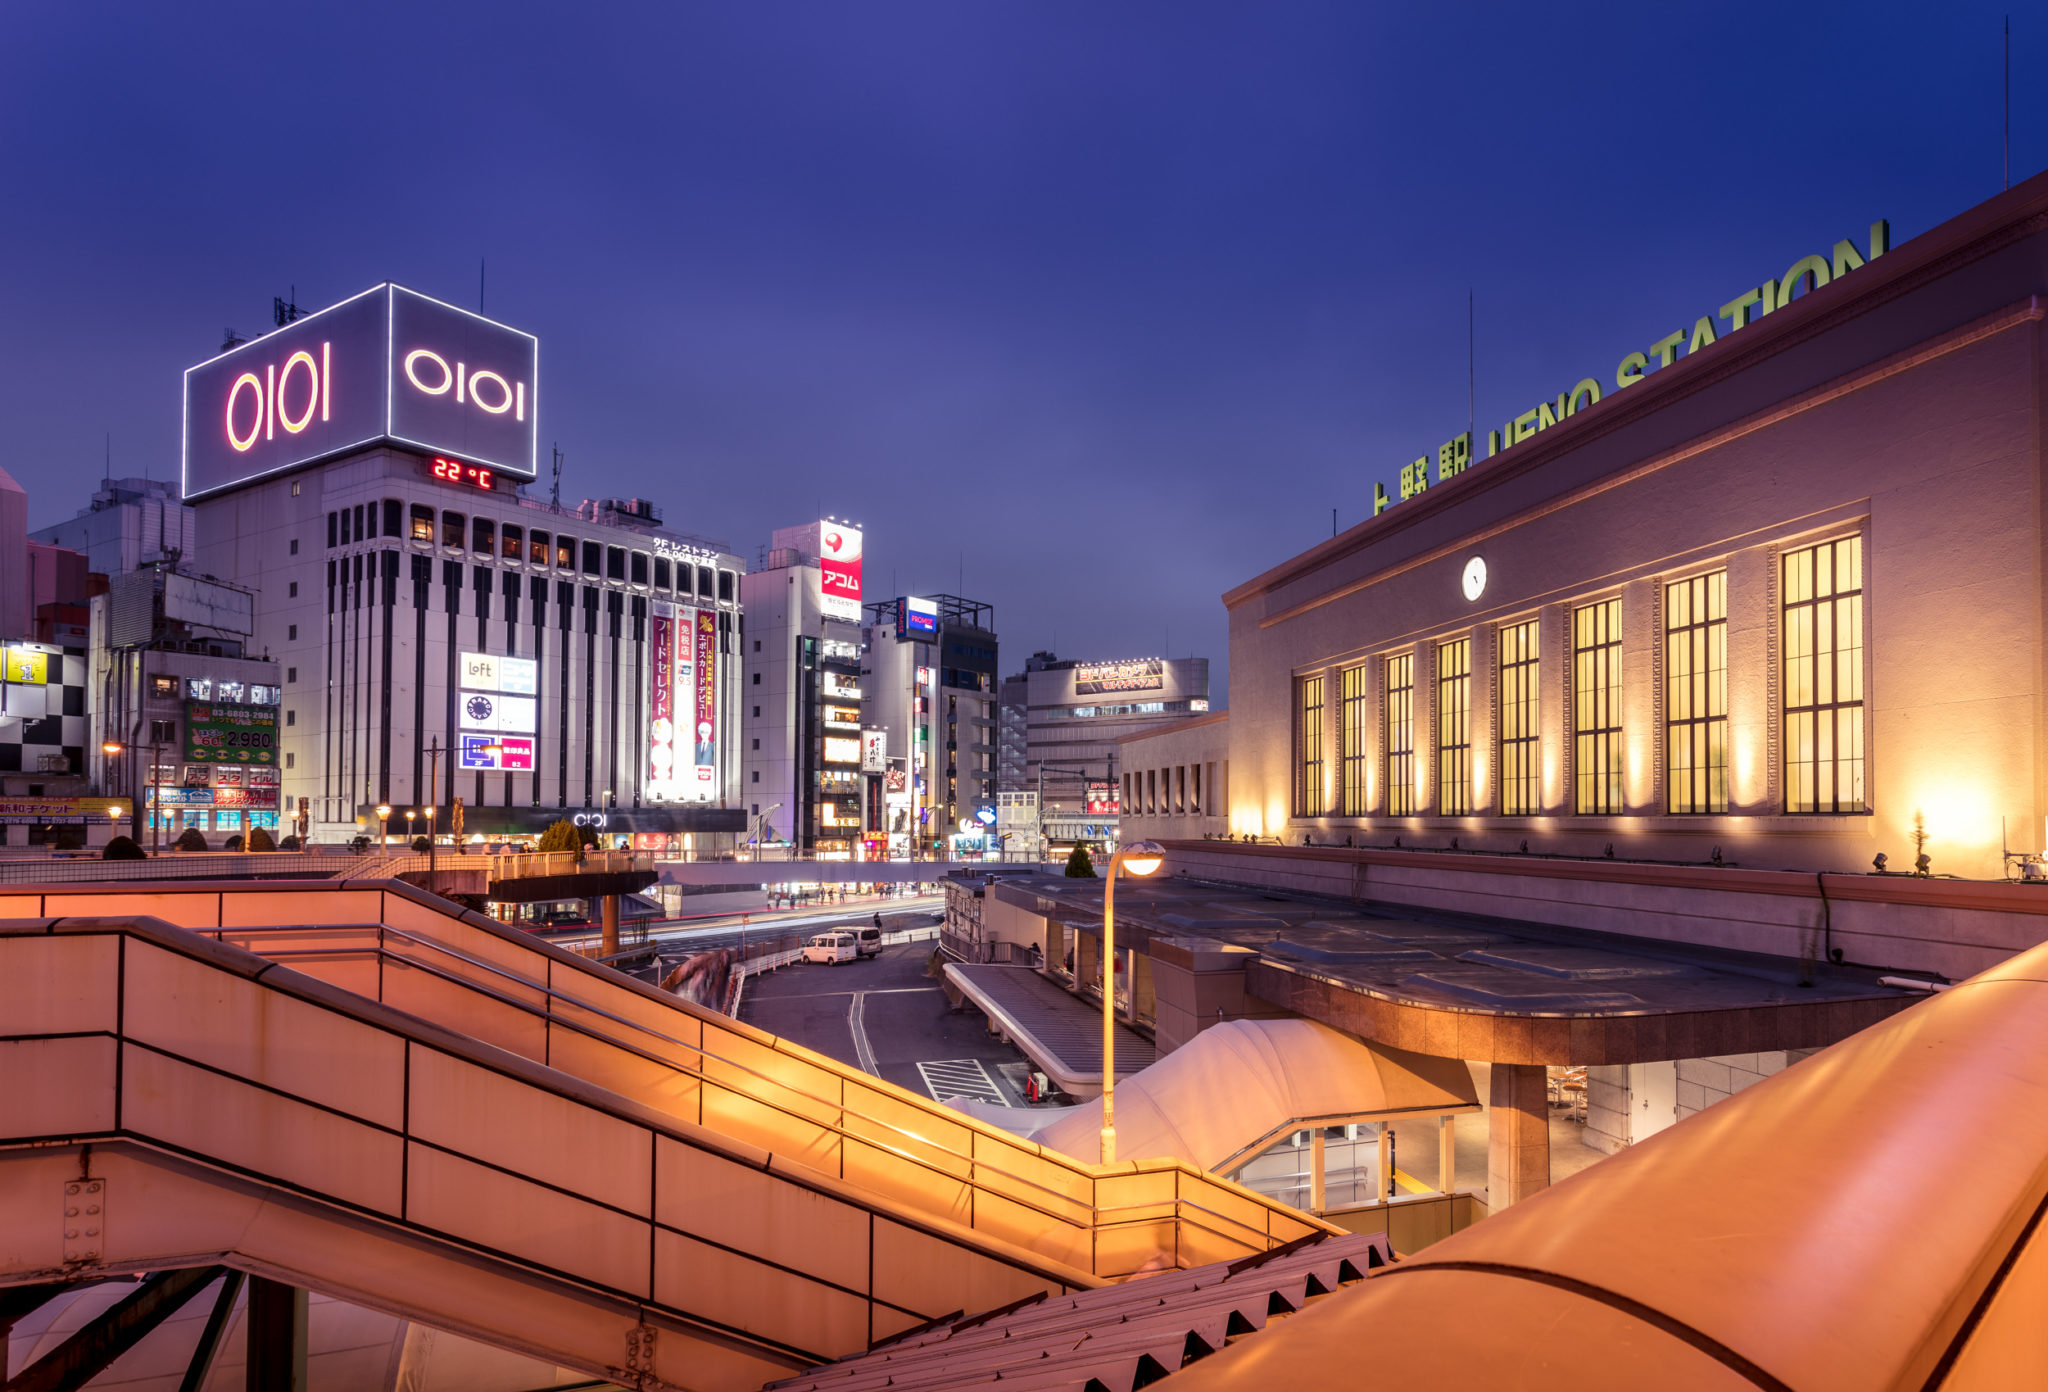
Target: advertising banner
(841, 751)
(36, 811)
(916, 618)
(477, 710)
(510, 752)
(230, 734)
(874, 751)
(661, 702)
(707, 700)
(1145, 674)
(1103, 798)
(839, 550)
(515, 676)
(26, 665)
(386, 364)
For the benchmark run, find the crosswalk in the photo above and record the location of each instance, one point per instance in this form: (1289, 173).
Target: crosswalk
(944, 1078)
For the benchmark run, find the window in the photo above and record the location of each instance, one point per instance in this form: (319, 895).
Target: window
(291, 761)
(639, 573)
(757, 678)
(593, 558)
(1696, 693)
(422, 523)
(1454, 727)
(538, 548)
(1353, 785)
(757, 744)
(1596, 708)
(1308, 747)
(513, 538)
(565, 553)
(1400, 735)
(294, 591)
(615, 563)
(295, 488)
(757, 775)
(163, 731)
(292, 634)
(451, 529)
(1521, 739)
(333, 530)
(391, 507)
(484, 540)
(757, 645)
(757, 712)
(164, 686)
(661, 573)
(725, 585)
(1823, 683)
(295, 546)
(706, 586)
(291, 674)
(291, 717)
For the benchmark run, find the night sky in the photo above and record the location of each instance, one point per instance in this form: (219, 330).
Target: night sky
(1093, 310)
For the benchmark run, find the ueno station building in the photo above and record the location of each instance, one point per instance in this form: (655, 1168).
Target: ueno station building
(1767, 592)
(441, 635)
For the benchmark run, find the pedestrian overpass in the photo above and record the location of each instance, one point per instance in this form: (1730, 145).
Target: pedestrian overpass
(773, 871)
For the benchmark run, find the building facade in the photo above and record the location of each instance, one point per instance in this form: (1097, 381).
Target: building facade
(1776, 602)
(443, 636)
(929, 669)
(132, 522)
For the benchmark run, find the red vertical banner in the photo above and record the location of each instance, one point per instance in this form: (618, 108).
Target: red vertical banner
(707, 700)
(661, 726)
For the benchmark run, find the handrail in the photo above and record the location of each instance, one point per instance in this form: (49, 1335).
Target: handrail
(1248, 1234)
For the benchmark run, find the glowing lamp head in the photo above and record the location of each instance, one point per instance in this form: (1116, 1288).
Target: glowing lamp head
(1143, 857)
(383, 809)
(111, 747)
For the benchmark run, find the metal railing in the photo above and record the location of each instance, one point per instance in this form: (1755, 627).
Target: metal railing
(1202, 1214)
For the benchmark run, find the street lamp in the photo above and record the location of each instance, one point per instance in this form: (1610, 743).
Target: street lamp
(409, 815)
(384, 827)
(1140, 858)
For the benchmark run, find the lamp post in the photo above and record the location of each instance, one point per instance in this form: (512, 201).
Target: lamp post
(409, 815)
(1140, 858)
(384, 827)
(113, 749)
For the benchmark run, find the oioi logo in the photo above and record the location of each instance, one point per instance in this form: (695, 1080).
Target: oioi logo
(429, 372)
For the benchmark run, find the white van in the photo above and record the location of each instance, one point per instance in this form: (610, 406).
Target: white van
(831, 948)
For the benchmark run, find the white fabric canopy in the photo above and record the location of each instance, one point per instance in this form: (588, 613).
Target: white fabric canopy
(1238, 1082)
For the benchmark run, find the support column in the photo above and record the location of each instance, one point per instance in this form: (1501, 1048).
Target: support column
(1386, 1167)
(277, 1337)
(608, 942)
(1316, 1192)
(1517, 1134)
(1446, 1153)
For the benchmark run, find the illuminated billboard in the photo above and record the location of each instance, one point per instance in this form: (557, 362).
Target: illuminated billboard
(840, 750)
(839, 571)
(1144, 674)
(389, 364)
(916, 618)
(874, 751)
(1103, 798)
(661, 704)
(706, 748)
(513, 752)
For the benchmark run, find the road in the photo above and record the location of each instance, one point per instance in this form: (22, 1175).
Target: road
(886, 1017)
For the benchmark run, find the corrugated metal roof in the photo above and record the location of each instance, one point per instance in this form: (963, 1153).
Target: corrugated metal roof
(1115, 1338)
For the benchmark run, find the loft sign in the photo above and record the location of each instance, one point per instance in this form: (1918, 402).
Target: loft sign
(1454, 456)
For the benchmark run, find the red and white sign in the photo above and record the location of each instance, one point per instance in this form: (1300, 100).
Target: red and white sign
(839, 571)
(661, 724)
(706, 743)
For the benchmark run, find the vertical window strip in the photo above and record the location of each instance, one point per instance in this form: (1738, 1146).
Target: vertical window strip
(1696, 694)
(1354, 710)
(1454, 727)
(1308, 742)
(1400, 735)
(1596, 708)
(1520, 732)
(1822, 637)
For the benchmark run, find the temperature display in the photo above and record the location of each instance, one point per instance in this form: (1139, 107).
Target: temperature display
(454, 471)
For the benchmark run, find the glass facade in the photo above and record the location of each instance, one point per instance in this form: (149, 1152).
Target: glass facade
(1308, 744)
(1822, 642)
(1596, 708)
(1355, 790)
(1521, 741)
(1400, 735)
(1454, 727)
(1696, 693)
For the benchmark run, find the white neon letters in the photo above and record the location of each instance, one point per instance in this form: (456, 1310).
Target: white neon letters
(269, 390)
(510, 397)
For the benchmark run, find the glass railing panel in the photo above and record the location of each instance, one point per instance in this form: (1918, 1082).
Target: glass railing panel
(60, 984)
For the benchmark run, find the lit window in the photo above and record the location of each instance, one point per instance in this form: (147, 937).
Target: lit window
(1308, 745)
(1400, 735)
(1454, 727)
(1596, 708)
(1521, 754)
(422, 523)
(1696, 693)
(1352, 751)
(1823, 680)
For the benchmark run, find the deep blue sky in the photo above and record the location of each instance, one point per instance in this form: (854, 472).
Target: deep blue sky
(1109, 304)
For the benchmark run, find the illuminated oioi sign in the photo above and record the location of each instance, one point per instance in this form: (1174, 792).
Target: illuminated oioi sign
(388, 365)
(1454, 456)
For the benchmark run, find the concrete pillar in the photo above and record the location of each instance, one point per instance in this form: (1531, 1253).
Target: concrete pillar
(1446, 1153)
(1316, 1192)
(608, 943)
(1386, 1185)
(277, 1337)
(1517, 1134)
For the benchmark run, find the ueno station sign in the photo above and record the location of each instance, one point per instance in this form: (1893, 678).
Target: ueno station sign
(390, 365)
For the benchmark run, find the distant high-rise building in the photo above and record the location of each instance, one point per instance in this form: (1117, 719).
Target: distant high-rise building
(930, 676)
(132, 522)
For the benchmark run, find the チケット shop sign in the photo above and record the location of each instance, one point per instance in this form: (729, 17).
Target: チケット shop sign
(390, 365)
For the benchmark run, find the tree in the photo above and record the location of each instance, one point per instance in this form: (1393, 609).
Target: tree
(562, 835)
(1079, 865)
(233, 843)
(290, 843)
(123, 848)
(586, 836)
(259, 840)
(190, 839)
(70, 839)
(420, 843)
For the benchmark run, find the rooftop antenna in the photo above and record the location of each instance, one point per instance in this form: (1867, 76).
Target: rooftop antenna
(1471, 362)
(282, 312)
(555, 489)
(2008, 101)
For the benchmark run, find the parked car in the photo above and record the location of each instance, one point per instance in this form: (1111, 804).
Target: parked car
(831, 949)
(870, 942)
